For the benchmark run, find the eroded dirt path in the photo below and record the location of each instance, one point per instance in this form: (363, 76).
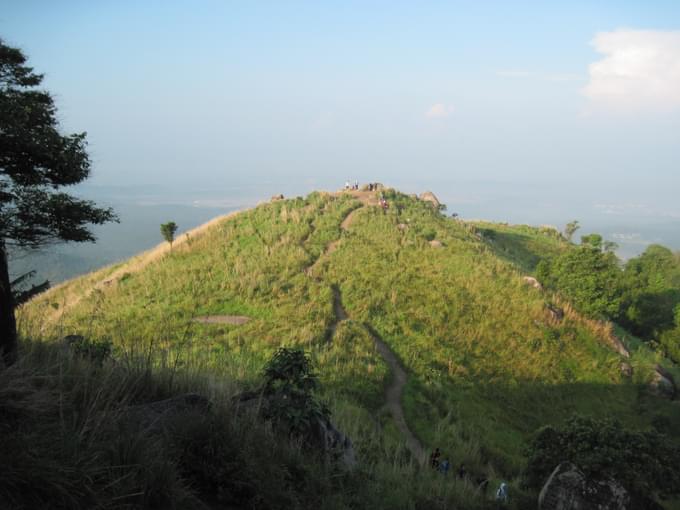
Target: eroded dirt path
(333, 245)
(395, 389)
(393, 395)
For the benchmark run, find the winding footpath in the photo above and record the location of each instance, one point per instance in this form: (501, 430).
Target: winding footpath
(395, 389)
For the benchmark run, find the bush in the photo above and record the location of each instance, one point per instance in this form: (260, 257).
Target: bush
(289, 387)
(643, 462)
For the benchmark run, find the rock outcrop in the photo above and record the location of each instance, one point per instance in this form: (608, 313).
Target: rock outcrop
(554, 312)
(626, 369)
(616, 344)
(277, 197)
(533, 282)
(428, 196)
(663, 383)
(568, 488)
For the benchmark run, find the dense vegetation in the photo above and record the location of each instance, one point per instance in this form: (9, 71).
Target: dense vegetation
(488, 361)
(643, 462)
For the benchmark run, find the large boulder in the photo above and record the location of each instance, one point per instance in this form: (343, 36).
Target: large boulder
(428, 196)
(568, 488)
(532, 282)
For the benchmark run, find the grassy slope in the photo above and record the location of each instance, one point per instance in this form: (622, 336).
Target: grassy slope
(487, 364)
(522, 245)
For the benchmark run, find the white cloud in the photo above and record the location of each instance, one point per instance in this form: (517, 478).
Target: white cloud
(640, 70)
(438, 111)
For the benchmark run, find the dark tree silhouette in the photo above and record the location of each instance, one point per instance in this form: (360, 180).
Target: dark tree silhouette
(36, 162)
(168, 231)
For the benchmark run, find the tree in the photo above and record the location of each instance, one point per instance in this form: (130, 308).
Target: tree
(289, 387)
(570, 229)
(168, 231)
(587, 276)
(643, 462)
(36, 162)
(651, 292)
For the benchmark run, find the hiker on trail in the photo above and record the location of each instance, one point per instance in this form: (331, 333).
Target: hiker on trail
(370, 186)
(444, 466)
(502, 493)
(434, 458)
(346, 185)
(462, 473)
(356, 185)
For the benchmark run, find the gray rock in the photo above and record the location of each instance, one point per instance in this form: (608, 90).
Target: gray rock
(616, 344)
(663, 383)
(568, 488)
(533, 282)
(555, 312)
(277, 197)
(428, 196)
(626, 369)
(334, 442)
(436, 244)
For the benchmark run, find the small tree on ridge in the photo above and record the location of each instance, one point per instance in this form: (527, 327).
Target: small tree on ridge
(168, 231)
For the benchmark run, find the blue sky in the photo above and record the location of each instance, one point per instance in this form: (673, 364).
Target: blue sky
(577, 98)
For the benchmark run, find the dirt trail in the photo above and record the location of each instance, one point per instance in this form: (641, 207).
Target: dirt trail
(395, 389)
(333, 245)
(393, 395)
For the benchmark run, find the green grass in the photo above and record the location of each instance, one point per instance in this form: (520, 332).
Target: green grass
(487, 365)
(523, 245)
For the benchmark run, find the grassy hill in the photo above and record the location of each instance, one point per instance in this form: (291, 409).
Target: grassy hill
(420, 326)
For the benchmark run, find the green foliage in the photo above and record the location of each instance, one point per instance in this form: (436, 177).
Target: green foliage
(643, 462)
(588, 277)
(289, 386)
(570, 229)
(36, 163)
(522, 245)
(651, 293)
(593, 241)
(21, 293)
(168, 231)
(670, 339)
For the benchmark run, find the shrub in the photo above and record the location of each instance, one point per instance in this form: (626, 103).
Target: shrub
(643, 462)
(289, 387)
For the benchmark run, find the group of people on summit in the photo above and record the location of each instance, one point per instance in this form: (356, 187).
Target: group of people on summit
(482, 481)
(371, 186)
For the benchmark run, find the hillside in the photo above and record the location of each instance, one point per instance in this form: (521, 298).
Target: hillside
(420, 326)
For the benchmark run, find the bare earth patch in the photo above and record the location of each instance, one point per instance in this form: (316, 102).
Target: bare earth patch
(223, 319)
